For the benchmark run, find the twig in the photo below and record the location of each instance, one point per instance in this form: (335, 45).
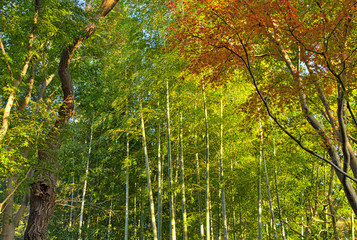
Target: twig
(13, 191)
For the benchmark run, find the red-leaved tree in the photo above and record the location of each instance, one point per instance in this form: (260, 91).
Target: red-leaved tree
(300, 57)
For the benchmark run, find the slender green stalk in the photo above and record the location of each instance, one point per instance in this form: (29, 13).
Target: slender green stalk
(182, 180)
(72, 195)
(260, 224)
(127, 188)
(159, 180)
(352, 225)
(208, 230)
(141, 221)
(198, 189)
(85, 183)
(223, 197)
(277, 195)
(110, 219)
(267, 182)
(151, 199)
(170, 175)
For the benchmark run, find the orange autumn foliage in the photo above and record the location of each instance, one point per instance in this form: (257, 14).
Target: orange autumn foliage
(216, 35)
(300, 57)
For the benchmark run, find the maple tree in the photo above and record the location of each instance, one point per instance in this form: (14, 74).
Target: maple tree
(299, 55)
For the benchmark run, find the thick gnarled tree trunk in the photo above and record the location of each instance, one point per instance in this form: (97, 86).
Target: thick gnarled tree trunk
(43, 192)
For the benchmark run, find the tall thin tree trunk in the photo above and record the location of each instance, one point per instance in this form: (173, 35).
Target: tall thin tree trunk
(72, 196)
(260, 224)
(182, 178)
(277, 194)
(234, 220)
(85, 183)
(89, 212)
(198, 191)
(326, 209)
(302, 228)
(218, 227)
(142, 212)
(127, 183)
(159, 180)
(8, 227)
(208, 229)
(170, 169)
(110, 219)
(352, 225)
(234, 209)
(223, 197)
(211, 218)
(240, 221)
(267, 182)
(175, 183)
(135, 213)
(327, 222)
(151, 197)
(25, 199)
(332, 208)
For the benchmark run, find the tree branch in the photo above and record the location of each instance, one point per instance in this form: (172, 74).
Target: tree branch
(343, 131)
(27, 98)
(8, 65)
(247, 64)
(11, 98)
(44, 86)
(14, 190)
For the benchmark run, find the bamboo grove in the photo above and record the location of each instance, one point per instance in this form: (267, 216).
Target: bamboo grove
(185, 119)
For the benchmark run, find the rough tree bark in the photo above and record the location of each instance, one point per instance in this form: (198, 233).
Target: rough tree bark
(8, 216)
(43, 192)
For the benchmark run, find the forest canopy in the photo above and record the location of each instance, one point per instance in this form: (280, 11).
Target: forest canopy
(178, 119)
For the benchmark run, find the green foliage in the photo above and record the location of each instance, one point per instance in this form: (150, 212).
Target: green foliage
(127, 59)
